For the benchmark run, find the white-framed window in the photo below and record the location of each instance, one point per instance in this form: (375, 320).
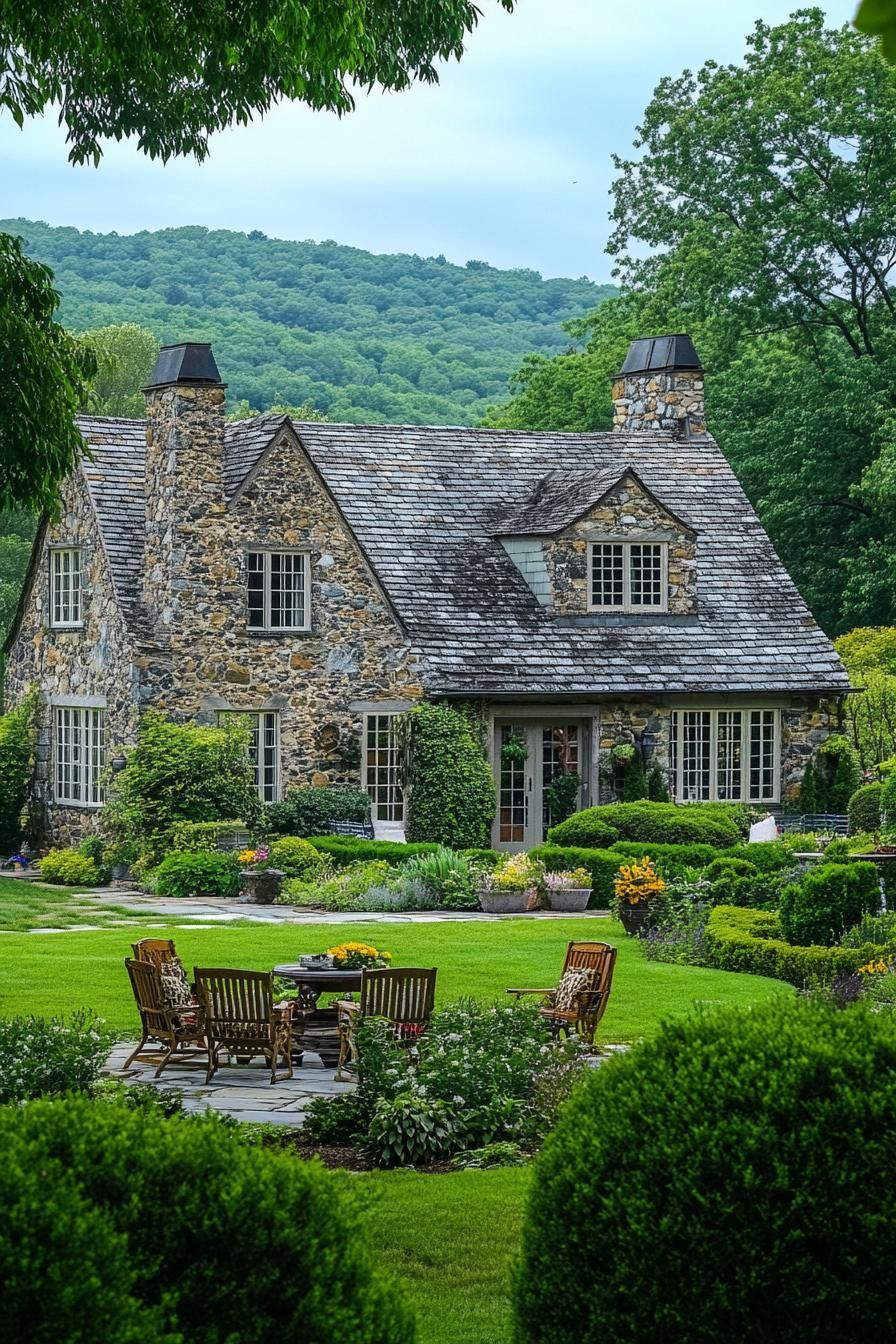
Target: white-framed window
(628, 576)
(725, 755)
(382, 775)
(279, 590)
(79, 754)
(65, 587)
(264, 749)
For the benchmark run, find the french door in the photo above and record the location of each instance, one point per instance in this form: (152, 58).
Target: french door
(529, 756)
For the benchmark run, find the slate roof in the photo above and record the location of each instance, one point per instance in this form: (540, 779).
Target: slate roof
(423, 503)
(560, 499)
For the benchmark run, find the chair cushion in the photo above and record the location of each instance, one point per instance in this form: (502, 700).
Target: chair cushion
(176, 991)
(573, 983)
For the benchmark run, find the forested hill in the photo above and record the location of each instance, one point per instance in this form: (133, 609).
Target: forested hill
(401, 338)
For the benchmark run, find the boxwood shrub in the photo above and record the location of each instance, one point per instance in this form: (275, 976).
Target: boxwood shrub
(864, 808)
(751, 941)
(828, 900)
(109, 1261)
(296, 857)
(732, 1167)
(670, 859)
(346, 849)
(656, 823)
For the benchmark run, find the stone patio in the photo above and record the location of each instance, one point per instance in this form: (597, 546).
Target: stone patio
(243, 1091)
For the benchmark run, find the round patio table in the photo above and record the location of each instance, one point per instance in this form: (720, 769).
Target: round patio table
(317, 1028)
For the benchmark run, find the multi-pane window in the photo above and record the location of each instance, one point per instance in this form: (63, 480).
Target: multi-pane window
(65, 586)
(79, 755)
(628, 576)
(382, 772)
(279, 590)
(264, 750)
(724, 755)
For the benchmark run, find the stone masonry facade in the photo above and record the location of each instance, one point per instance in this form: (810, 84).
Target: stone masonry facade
(660, 400)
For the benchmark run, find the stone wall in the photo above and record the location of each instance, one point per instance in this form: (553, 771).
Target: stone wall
(627, 513)
(660, 400)
(92, 663)
(804, 726)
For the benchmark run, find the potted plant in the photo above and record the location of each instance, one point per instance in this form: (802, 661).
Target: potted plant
(357, 956)
(261, 884)
(511, 889)
(636, 889)
(568, 890)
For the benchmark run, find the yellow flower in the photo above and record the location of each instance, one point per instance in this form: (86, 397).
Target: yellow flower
(638, 882)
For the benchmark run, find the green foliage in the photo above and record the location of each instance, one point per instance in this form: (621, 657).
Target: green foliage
(199, 874)
(358, 337)
(68, 868)
(16, 752)
(45, 1057)
(310, 811)
(282, 1251)
(45, 374)
(876, 929)
(752, 941)
(561, 796)
(769, 856)
(721, 1150)
(340, 1119)
(729, 866)
(206, 835)
(634, 783)
(295, 857)
(17, 530)
(452, 792)
(828, 900)
(877, 18)
(125, 356)
(670, 859)
(831, 777)
(657, 785)
(412, 1130)
(345, 849)
(182, 772)
(343, 890)
(666, 823)
(444, 872)
(809, 789)
(864, 808)
(602, 864)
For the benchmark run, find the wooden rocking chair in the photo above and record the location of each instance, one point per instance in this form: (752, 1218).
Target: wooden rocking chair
(405, 996)
(177, 1029)
(580, 1000)
(242, 1018)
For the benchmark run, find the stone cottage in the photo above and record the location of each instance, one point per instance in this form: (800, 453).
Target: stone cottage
(582, 591)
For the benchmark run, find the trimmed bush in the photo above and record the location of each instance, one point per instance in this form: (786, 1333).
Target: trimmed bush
(742, 1155)
(208, 836)
(182, 772)
(68, 868)
(16, 750)
(451, 797)
(345, 849)
(198, 874)
(751, 941)
(864, 808)
(656, 823)
(769, 856)
(310, 811)
(828, 900)
(296, 858)
(730, 867)
(282, 1255)
(670, 859)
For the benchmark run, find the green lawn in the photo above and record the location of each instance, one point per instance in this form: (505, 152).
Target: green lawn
(28, 905)
(61, 971)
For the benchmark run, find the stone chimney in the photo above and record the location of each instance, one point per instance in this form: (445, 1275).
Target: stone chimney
(184, 480)
(660, 386)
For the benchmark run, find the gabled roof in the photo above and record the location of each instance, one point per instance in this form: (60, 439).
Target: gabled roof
(422, 503)
(561, 498)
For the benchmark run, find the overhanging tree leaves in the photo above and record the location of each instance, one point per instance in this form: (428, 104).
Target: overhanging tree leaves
(877, 18)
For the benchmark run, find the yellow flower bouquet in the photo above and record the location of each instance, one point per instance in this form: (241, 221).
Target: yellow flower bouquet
(355, 956)
(637, 883)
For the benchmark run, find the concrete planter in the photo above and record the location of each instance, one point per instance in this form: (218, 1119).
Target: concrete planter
(261, 886)
(508, 902)
(568, 898)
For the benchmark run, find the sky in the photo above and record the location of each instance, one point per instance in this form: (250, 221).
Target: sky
(507, 159)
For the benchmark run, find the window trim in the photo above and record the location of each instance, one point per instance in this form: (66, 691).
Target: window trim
(627, 607)
(91, 773)
(676, 736)
(267, 628)
(55, 554)
(371, 785)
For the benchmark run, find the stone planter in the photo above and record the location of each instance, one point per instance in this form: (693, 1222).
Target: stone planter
(568, 898)
(261, 886)
(636, 919)
(508, 902)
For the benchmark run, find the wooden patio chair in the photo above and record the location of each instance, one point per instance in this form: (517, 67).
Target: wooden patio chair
(156, 950)
(178, 1030)
(242, 1018)
(162, 953)
(579, 1001)
(404, 995)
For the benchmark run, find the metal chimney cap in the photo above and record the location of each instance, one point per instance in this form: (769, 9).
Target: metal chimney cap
(189, 362)
(652, 354)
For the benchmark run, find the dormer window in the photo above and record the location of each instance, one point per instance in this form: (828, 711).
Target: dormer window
(628, 576)
(279, 596)
(65, 587)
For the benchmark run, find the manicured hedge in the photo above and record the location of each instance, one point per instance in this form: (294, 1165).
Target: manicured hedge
(769, 856)
(656, 823)
(668, 858)
(828, 900)
(346, 849)
(602, 864)
(738, 939)
(726, 1181)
